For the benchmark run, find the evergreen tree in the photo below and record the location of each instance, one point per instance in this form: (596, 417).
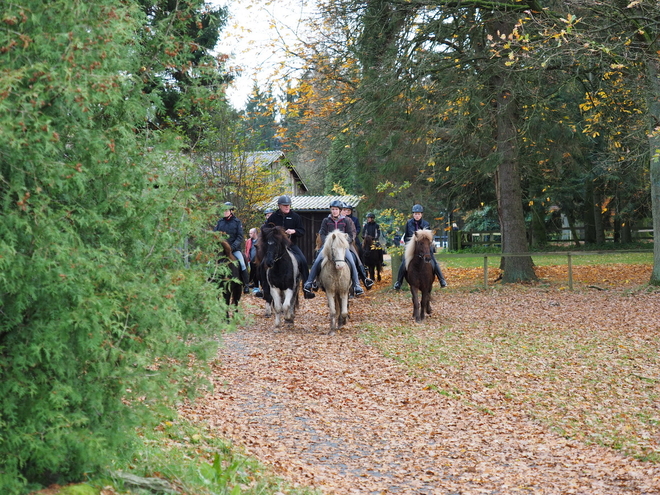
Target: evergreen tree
(100, 316)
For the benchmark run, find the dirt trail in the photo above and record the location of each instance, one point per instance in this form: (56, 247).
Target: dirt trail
(333, 413)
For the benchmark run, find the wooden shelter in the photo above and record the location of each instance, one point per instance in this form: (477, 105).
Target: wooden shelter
(312, 210)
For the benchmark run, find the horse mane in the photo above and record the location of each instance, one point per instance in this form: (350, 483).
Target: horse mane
(411, 247)
(227, 252)
(277, 233)
(367, 242)
(332, 237)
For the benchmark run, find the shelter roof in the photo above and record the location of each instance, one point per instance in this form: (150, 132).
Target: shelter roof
(315, 203)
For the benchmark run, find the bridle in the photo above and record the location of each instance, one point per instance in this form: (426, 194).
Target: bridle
(423, 256)
(271, 242)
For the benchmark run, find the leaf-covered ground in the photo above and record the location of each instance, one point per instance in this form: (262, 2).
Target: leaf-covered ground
(521, 389)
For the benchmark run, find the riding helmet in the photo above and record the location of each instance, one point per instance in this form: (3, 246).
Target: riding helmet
(228, 206)
(268, 210)
(284, 200)
(371, 215)
(348, 206)
(418, 209)
(337, 204)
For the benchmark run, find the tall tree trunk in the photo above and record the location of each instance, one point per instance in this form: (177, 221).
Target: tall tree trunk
(509, 190)
(598, 217)
(653, 73)
(589, 214)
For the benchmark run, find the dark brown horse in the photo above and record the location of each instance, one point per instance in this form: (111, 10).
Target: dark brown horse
(419, 272)
(373, 257)
(227, 275)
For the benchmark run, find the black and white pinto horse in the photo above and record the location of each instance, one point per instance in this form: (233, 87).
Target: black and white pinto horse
(279, 272)
(419, 272)
(372, 257)
(335, 278)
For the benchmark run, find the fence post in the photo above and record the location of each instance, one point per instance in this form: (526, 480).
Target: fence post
(485, 270)
(570, 272)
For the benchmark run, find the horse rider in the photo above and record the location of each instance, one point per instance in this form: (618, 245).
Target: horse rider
(414, 224)
(347, 211)
(233, 228)
(371, 228)
(293, 226)
(251, 255)
(336, 221)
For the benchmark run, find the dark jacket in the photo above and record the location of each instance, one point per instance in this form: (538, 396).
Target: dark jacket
(412, 227)
(291, 221)
(356, 222)
(233, 227)
(342, 224)
(372, 229)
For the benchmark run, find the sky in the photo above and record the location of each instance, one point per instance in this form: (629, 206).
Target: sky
(253, 38)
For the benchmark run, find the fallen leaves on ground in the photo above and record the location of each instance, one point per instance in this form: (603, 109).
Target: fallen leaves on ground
(510, 389)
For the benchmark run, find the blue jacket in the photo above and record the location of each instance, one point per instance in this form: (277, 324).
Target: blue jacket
(233, 227)
(412, 227)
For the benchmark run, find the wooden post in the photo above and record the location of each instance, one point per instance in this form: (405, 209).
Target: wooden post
(570, 272)
(485, 271)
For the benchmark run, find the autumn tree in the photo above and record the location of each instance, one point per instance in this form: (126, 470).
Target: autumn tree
(624, 35)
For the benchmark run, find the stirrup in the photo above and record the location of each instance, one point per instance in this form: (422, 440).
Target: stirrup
(358, 291)
(307, 291)
(397, 285)
(368, 283)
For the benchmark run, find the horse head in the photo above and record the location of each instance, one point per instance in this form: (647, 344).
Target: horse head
(421, 245)
(367, 243)
(273, 243)
(335, 247)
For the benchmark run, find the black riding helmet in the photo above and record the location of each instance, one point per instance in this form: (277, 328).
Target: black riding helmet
(337, 204)
(284, 200)
(418, 209)
(371, 215)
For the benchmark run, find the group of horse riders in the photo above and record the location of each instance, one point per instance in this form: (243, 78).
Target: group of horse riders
(340, 218)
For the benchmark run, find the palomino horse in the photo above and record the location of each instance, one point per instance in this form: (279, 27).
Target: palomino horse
(280, 273)
(335, 278)
(419, 271)
(227, 276)
(373, 257)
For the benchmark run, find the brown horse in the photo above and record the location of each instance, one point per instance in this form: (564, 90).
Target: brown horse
(419, 272)
(335, 277)
(227, 275)
(373, 257)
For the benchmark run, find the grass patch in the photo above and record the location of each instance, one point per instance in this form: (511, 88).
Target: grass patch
(598, 385)
(476, 260)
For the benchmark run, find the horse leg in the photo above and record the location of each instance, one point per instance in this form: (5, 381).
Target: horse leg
(415, 297)
(427, 306)
(277, 306)
(332, 309)
(424, 304)
(288, 305)
(343, 301)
